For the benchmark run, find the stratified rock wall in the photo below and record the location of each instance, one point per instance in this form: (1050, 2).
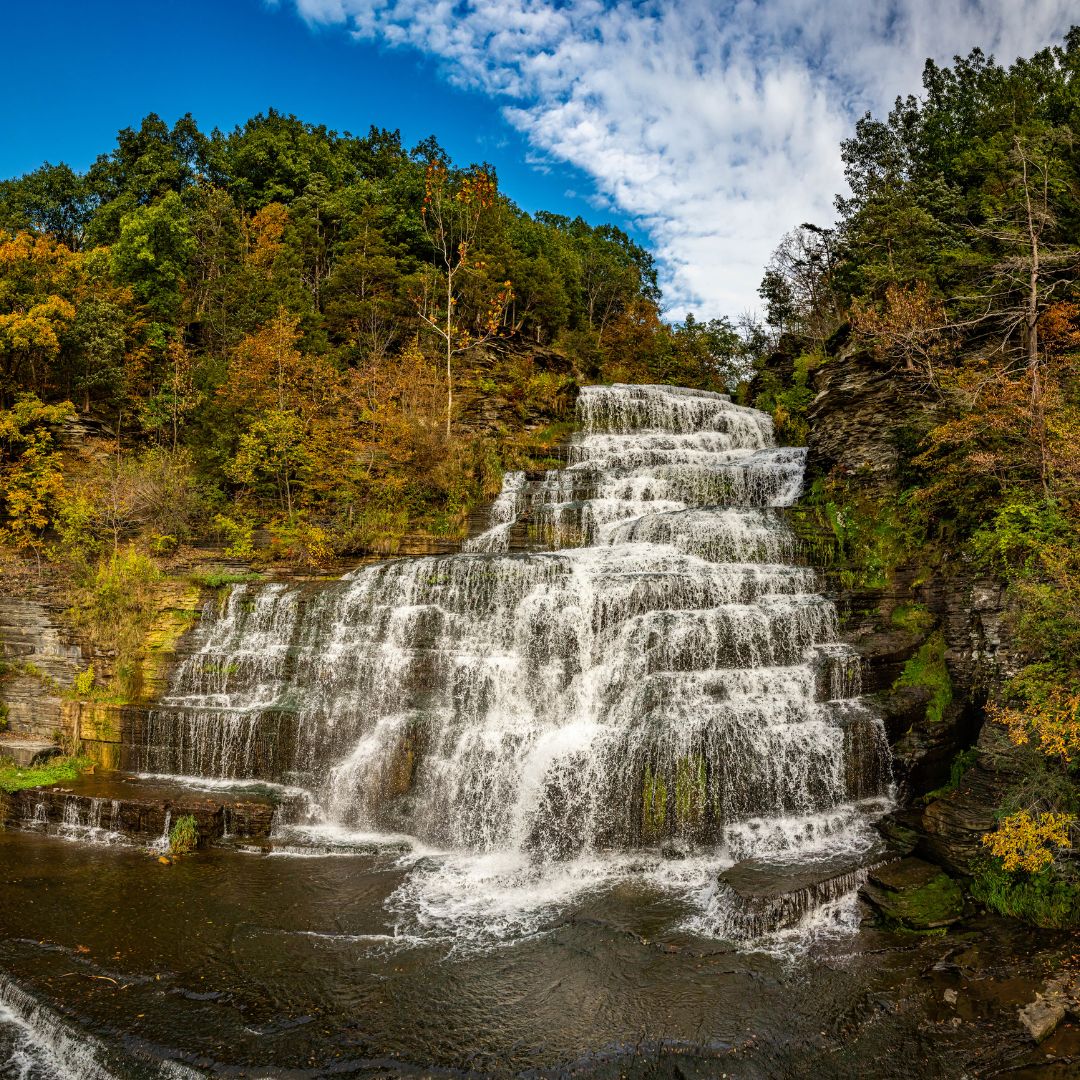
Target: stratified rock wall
(42, 659)
(863, 417)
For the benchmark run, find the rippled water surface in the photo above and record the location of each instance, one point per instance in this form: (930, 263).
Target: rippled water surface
(229, 963)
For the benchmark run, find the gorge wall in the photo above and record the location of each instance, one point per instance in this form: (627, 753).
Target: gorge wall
(931, 628)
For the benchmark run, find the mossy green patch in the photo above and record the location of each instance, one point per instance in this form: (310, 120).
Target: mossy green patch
(788, 404)
(914, 895)
(653, 805)
(914, 618)
(927, 669)
(859, 535)
(59, 769)
(690, 792)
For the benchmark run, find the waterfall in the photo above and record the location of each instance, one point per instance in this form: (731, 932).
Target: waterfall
(631, 659)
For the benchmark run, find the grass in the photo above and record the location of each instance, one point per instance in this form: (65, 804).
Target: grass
(1046, 899)
(184, 835)
(55, 771)
(219, 578)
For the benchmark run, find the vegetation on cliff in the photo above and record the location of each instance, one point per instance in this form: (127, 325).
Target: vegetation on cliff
(295, 345)
(955, 265)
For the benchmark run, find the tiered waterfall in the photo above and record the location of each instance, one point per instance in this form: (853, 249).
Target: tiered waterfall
(631, 659)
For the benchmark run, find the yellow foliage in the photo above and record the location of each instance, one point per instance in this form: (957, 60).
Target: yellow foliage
(910, 327)
(1054, 724)
(1023, 841)
(266, 232)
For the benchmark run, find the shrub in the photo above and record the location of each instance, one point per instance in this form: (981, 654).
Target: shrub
(1047, 899)
(115, 606)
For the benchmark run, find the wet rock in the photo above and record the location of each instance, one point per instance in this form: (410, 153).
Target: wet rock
(1041, 1018)
(901, 829)
(773, 894)
(914, 894)
(902, 709)
(1060, 996)
(107, 806)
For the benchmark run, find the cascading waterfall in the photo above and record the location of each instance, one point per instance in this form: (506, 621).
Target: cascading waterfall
(630, 660)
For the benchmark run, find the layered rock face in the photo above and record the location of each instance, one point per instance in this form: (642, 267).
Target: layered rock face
(42, 658)
(863, 415)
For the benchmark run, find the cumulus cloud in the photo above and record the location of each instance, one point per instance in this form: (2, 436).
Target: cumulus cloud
(714, 124)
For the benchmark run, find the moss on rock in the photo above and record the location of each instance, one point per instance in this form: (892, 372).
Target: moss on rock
(915, 895)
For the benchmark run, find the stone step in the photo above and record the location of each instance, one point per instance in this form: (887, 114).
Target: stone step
(775, 894)
(112, 806)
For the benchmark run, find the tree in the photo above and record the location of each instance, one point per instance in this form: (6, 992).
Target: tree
(147, 164)
(153, 254)
(274, 447)
(910, 328)
(1024, 211)
(40, 283)
(53, 200)
(363, 292)
(31, 477)
(177, 397)
(454, 207)
(708, 354)
(799, 286)
(99, 341)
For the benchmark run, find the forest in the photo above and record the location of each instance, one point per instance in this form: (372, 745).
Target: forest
(303, 343)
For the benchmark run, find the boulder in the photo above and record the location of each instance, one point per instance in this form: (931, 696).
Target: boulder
(1059, 996)
(1041, 1017)
(914, 894)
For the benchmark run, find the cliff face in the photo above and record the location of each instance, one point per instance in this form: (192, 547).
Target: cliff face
(931, 629)
(42, 658)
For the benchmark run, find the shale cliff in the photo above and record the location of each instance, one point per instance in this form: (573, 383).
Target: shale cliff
(931, 628)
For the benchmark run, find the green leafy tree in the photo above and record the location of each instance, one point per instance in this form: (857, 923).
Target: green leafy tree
(153, 255)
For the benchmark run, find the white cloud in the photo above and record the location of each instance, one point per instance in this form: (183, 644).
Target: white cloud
(714, 123)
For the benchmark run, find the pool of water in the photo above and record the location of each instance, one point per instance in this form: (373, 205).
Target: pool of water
(238, 964)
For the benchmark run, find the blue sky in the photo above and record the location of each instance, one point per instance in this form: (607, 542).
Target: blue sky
(706, 127)
(225, 60)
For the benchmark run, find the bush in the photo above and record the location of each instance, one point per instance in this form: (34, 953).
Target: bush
(1048, 899)
(927, 669)
(115, 606)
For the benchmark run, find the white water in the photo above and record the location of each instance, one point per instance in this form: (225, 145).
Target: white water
(656, 705)
(36, 1044)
